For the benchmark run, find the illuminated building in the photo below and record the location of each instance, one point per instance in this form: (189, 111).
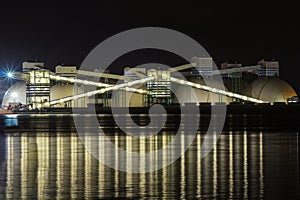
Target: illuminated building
(37, 85)
(141, 86)
(160, 88)
(66, 71)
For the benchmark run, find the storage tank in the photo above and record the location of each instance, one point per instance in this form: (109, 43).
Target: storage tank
(269, 89)
(15, 93)
(183, 93)
(60, 91)
(122, 98)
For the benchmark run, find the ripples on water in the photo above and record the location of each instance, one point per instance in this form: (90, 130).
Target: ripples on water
(47, 160)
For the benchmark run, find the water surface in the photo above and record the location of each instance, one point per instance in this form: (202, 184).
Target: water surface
(47, 160)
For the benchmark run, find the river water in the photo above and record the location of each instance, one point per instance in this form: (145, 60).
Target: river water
(41, 156)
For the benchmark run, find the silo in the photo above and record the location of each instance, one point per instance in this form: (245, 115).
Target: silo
(184, 93)
(15, 93)
(269, 89)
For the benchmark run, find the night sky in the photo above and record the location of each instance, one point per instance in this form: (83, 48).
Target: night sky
(243, 31)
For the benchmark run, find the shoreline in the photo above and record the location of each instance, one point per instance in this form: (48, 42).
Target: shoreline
(204, 108)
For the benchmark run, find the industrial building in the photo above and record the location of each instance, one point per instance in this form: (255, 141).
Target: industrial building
(38, 87)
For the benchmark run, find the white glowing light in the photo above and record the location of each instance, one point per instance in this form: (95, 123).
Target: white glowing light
(217, 91)
(86, 82)
(14, 95)
(10, 74)
(101, 91)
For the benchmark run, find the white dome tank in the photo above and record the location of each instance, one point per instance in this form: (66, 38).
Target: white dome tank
(269, 89)
(183, 93)
(15, 93)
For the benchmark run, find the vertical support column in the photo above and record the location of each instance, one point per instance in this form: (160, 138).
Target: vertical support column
(220, 97)
(79, 90)
(124, 101)
(188, 94)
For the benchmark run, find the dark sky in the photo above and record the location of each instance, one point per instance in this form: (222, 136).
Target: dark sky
(246, 31)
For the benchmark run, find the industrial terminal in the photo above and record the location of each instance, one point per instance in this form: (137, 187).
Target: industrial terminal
(36, 87)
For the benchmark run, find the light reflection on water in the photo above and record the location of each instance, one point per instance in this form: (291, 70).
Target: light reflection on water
(11, 120)
(52, 163)
(58, 166)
